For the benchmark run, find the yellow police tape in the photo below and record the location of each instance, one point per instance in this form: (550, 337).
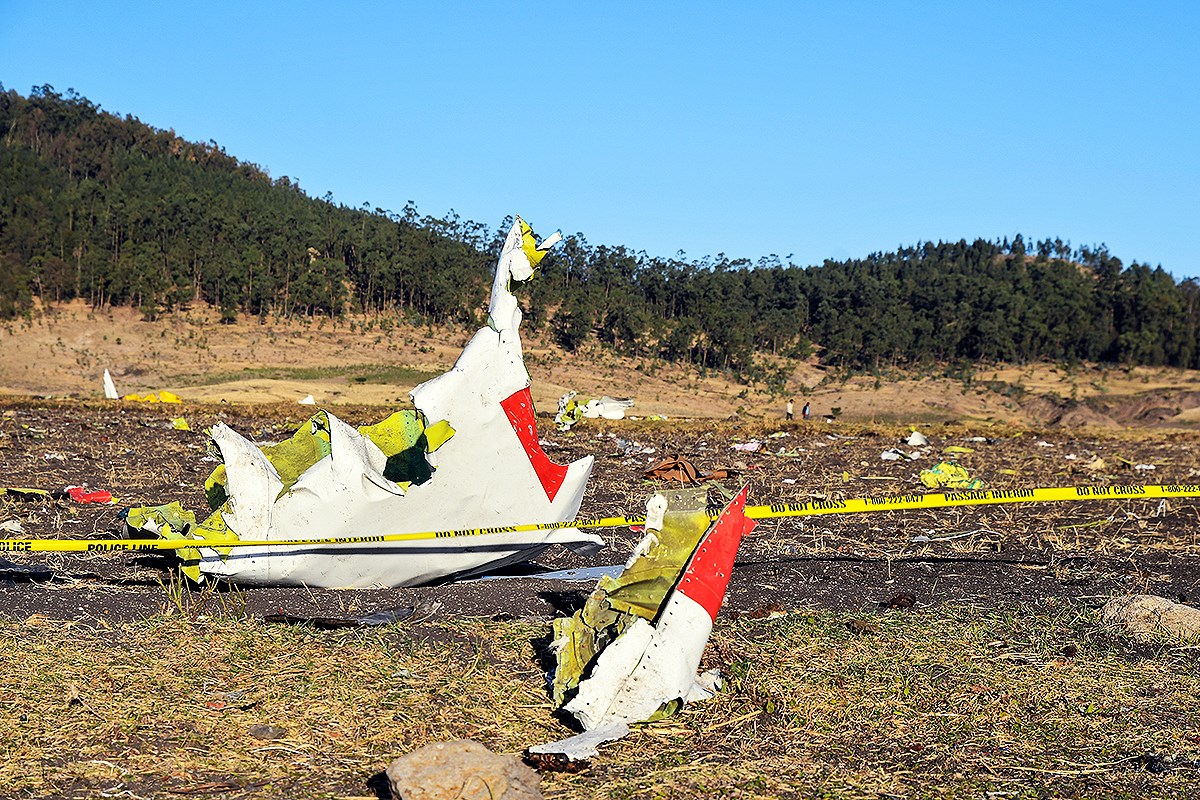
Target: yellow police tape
(858, 505)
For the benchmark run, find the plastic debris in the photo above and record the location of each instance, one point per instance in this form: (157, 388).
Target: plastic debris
(917, 439)
(110, 388)
(153, 397)
(631, 653)
(752, 446)
(307, 400)
(19, 493)
(949, 475)
(891, 455)
(954, 448)
(81, 494)
(11, 526)
(627, 448)
(10, 571)
(466, 457)
(180, 424)
(1145, 467)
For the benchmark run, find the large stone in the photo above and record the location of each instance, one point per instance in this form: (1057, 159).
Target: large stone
(464, 770)
(1147, 617)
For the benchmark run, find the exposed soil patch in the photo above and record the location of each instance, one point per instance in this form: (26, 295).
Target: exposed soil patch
(64, 350)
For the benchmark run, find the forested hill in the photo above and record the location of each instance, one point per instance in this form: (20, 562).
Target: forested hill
(108, 209)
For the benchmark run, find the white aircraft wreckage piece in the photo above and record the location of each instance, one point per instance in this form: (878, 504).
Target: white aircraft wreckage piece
(110, 388)
(572, 408)
(606, 407)
(332, 480)
(631, 654)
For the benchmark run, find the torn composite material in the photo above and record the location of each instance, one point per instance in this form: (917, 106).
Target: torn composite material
(631, 653)
(490, 472)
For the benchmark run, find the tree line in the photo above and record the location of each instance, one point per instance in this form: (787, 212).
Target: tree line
(111, 210)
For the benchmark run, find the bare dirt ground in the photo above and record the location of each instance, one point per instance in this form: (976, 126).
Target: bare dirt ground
(63, 350)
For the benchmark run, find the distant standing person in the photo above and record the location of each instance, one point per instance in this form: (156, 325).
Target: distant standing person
(807, 410)
(789, 408)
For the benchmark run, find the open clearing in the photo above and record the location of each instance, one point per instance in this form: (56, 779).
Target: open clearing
(120, 681)
(63, 351)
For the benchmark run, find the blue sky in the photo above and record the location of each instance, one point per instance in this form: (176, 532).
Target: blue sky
(816, 130)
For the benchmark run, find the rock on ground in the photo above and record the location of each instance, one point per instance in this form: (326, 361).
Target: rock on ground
(463, 769)
(1147, 617)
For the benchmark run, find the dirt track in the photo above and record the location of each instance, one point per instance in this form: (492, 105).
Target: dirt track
(1000, 555)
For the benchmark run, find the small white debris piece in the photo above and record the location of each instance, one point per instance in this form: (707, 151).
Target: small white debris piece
(1145, 467)
(110, 388)
(917, 439)
(583, 746)
(307, 400)
(1043, 443)
(707, 684)
(890, 455)
(656, 509)
(11, 526)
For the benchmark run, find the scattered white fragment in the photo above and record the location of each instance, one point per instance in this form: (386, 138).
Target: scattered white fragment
(11, 526)
(917, 439)
(583, 746)
(1145, 467)
(1042, 443)
(110, 388)
(307, 400)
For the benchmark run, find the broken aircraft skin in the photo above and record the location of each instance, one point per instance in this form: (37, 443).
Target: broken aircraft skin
(631, 653)
(466, 457)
